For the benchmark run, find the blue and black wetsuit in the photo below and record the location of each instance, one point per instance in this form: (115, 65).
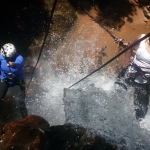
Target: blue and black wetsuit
(12, 77)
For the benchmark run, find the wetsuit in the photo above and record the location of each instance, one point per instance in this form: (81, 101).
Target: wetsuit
(133, 75)
(12, 77)
(142, 57)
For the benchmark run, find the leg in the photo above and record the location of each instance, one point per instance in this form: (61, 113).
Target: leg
(141, 100)
(141, 97)
(3, 89)
(22, 105)
(20, 99)
(122, 81)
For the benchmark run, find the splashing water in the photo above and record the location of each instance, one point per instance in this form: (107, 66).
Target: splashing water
(108, 113)
(93, 103)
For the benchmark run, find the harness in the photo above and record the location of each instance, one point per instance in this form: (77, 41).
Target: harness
(135, 73)
(12, 80)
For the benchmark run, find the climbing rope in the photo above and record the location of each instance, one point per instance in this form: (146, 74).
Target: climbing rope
(47, 31)
(127, 48)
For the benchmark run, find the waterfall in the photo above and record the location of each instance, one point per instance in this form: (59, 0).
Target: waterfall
(107, 112)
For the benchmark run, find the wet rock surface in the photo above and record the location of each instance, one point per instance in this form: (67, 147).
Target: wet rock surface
(24, 134)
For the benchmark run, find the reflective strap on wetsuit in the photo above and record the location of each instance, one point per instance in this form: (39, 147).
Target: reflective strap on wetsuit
(14, 80)
(144, 75)
(10, 76)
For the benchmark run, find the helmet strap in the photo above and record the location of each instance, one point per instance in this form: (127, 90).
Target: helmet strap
(4, 51)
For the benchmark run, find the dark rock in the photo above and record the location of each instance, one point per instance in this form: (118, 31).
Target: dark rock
(74, 137)
(35, 133)
(24, 134)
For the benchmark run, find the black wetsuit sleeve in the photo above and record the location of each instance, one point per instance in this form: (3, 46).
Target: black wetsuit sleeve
(0, 67)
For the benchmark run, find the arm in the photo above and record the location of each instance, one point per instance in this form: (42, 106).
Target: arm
(129, 55)
(17, 63)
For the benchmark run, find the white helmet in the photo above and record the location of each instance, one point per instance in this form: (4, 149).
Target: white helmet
(8, 50)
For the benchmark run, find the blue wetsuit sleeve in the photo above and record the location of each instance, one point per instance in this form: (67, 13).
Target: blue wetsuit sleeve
(18, 64)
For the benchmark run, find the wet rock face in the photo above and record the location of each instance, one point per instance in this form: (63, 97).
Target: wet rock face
(24, 134)
(34, 133)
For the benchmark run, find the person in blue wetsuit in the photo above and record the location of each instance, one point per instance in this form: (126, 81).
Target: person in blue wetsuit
(137, 74)
(11, 76)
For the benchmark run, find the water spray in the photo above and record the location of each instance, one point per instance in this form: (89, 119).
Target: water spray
(119, 54)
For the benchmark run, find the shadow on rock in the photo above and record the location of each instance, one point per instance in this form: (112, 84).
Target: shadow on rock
(109, 13)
